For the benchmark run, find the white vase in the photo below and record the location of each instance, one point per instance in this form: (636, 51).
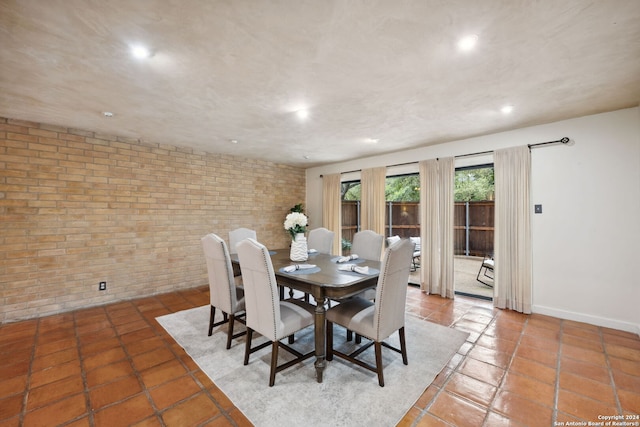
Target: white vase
(299, 250)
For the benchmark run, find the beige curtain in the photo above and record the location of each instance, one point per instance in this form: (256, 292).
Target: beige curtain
(332, 209)
(512, 285)
(436, 217)
(373, 199)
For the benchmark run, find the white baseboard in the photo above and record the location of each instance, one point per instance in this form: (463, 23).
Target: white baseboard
(587, 318)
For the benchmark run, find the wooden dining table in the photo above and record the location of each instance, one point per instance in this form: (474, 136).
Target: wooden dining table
(323, 282)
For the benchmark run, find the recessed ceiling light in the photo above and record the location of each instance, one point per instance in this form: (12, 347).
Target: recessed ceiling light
(233, 141)
(107, 113)
(507, 109)
(140, 52)
(306, 157)
(302, 114)
(372, 140)
(468, 42)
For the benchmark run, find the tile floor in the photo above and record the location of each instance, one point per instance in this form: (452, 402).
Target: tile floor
(114, 365)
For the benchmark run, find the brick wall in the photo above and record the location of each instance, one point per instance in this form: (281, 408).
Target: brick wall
(77, 207)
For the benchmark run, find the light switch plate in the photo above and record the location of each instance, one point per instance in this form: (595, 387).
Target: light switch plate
(537, 209)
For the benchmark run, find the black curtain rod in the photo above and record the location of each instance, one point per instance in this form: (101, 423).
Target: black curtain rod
(563, 140)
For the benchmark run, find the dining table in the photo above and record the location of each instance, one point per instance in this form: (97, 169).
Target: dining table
(324, 281)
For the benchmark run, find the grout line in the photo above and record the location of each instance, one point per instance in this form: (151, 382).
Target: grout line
(27, 387)
(611, 377)
(556, 391)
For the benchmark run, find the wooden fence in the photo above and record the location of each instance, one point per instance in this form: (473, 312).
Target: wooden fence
(473, 224)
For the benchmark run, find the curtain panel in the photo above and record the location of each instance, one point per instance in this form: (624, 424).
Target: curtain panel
(332, 209)
(437, 219)
(372, 212)
(513, 265)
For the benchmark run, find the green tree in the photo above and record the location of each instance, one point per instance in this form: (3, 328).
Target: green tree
(403, 188)
(474, 184)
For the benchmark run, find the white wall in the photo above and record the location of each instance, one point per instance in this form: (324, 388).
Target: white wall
(586, 243)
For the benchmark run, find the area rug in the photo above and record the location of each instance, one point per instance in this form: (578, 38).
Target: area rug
(348, 395)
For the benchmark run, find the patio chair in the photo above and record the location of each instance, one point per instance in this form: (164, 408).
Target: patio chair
(487, 266)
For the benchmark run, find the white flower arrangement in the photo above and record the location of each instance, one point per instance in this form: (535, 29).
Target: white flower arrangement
(295, 222)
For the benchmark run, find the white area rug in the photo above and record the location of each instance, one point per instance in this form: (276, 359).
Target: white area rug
(348, 396)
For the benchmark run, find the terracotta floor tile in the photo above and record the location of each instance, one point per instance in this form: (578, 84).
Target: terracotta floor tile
(542, 332)
(174, 391)
(429, 420)
(622, 338)
(551, 345)
(115, 391)
(67, 355)
(578, 331)
(457, 411)
(587, 387)
(152, 421)
(584, 355)
(522, 410)
(131, 327)
(160, 374)
(53, 347)
(629, 367)
(588, 370)
(15, 369)
(143, 346)
(55, 373)
(152, 358)
(544, 357)
(626, 382)
(494, 343)
(582, 407)
(10, 406)
(100, 346)
(196, 410)
(586, 343)
(471, 388)
(482, 371)
(96, 337)
(126, 412)
(533, 390)
(49, 393)
(493, 357)
(109, 373)
(138, 335)
(104, 357)
(533, 369)
(57, 413)
(624, 352)
(630, 401)
(14, 385)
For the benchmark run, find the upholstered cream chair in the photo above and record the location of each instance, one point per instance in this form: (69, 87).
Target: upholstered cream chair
(367, 244)
(266, 313)
(321, 239)
(223, 292)
(377, 320)
(238, 235)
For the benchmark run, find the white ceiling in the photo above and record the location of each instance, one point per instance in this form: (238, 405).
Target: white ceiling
(386, 69)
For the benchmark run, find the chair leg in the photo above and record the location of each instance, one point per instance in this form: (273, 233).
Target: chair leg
(212, 321)
(403, 346)
(274, 363)
(232, 318)
(329, 350)
(349, 335)
(211, 317)
(247, 349)
(378, 347)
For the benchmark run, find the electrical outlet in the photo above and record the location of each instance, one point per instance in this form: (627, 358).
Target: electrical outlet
(102, 286)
